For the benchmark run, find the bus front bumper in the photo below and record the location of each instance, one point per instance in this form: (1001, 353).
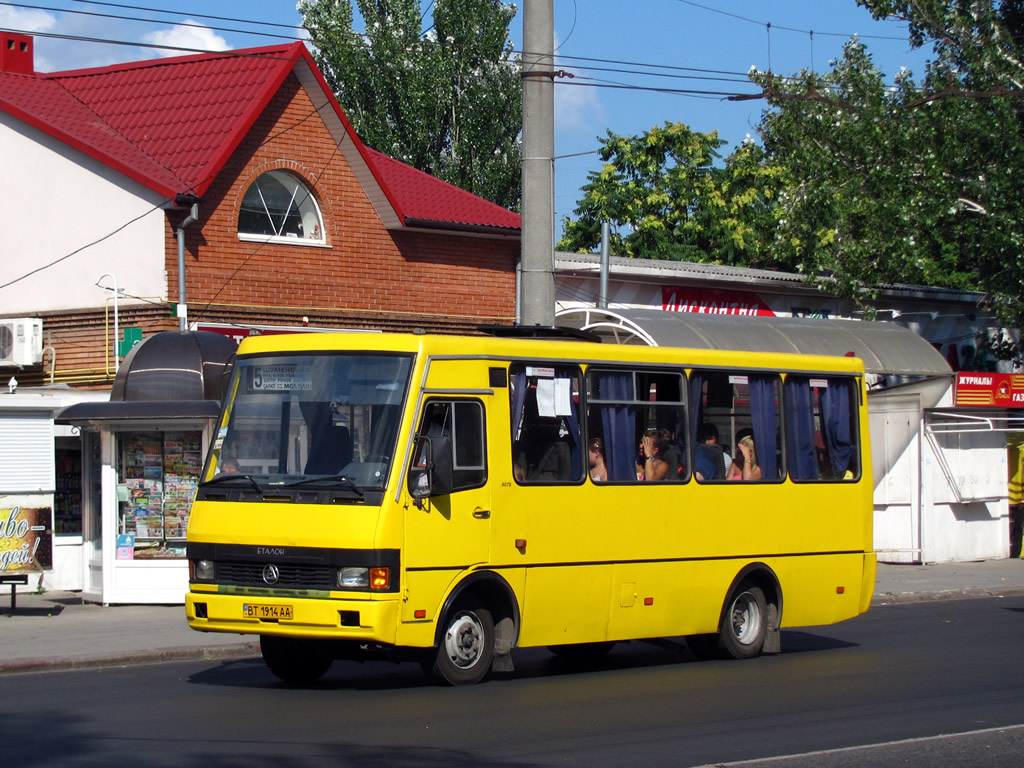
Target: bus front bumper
(367, 620)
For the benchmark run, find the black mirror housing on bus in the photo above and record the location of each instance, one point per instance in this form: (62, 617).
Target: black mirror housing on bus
(432, 473)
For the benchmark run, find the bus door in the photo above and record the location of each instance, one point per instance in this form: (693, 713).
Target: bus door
(447, 531)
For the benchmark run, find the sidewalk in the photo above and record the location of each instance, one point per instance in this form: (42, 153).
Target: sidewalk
(56, 630)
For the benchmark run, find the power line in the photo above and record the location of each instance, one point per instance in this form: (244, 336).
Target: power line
(771, 25)
(160, 205)
(190, 15)
(147, 21)
(136, 44)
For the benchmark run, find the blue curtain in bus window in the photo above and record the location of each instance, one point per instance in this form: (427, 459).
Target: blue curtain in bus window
(835, 423)
(800, 453)
(619, 424)
(765, 423)
(575, 453)
(518, 402)
(696, 404)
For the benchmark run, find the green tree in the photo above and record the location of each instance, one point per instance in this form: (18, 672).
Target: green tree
(446, 100)
(910, 183)
(665, 198)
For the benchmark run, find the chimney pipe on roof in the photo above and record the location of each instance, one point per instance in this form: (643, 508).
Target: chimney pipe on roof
(16, 54)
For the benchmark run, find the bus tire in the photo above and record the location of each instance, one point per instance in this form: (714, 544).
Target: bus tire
(744, 623)
(294, 660)
(466, 647)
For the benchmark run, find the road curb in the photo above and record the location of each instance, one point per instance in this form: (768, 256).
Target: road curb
(893, 598)
(159, 656)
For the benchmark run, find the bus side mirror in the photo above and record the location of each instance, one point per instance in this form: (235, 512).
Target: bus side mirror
(432, 473)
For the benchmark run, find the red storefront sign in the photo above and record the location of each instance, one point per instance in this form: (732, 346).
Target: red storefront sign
(238, 333)
(713, 302)
(989, 390)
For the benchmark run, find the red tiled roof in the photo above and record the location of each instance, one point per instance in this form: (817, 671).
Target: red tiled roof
(427, 199)
(171, 124)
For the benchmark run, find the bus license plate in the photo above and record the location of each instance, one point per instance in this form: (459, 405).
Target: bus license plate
(262, 611)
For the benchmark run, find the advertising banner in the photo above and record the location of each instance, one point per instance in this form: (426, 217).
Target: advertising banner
(989, 390)
(26, 534)
(710, 301)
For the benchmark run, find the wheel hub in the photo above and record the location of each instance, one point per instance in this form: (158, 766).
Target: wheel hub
(464, 641)
(746, 618)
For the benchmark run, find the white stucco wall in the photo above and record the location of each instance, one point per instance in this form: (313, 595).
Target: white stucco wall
(53, 201)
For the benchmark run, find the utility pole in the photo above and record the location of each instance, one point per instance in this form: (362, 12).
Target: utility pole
(537, 255)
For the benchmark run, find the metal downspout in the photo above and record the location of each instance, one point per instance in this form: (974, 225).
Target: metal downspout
(193, 216)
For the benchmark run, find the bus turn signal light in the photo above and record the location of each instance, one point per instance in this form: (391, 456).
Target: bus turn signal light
(380, 578)
(840, 590)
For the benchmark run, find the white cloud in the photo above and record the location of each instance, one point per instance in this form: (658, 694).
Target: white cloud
(578, 107)
(30, 21)
(192, 38)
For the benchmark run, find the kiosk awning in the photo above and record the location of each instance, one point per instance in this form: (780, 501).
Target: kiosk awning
(885, 348)
(170, 375)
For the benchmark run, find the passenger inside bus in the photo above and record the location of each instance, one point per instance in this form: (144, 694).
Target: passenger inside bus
(598, 469)
(669, 454)
(330, 445)
(651, 466)
(710, 461)
(745, 467)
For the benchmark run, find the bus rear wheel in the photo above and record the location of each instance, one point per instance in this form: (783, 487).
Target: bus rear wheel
(466, 648)
(294, 660)
(745, 623)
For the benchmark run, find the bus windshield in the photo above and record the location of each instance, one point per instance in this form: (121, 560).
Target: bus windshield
(292, 419)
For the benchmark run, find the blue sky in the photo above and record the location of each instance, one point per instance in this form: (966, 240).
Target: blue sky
(676, 38)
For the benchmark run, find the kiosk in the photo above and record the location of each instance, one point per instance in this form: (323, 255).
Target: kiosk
(142, 457)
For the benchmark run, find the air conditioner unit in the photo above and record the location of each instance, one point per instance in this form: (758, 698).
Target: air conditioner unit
(21, 341)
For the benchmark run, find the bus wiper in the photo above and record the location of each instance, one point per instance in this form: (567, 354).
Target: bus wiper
(224, 478)
(331, 481)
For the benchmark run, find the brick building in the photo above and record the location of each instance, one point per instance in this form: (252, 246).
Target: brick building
(299, 223)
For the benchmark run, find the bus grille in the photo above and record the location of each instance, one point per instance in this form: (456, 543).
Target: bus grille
(292, 576)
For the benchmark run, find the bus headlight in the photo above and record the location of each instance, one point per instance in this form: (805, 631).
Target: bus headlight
(353, 577)
(204, 569)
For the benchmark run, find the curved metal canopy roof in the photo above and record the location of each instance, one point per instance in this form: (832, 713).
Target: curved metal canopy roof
(170, 375)
(885, 348)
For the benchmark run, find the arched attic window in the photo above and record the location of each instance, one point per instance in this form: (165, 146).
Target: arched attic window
(279, 207)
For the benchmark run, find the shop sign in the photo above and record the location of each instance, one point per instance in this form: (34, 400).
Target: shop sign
(26, 535)
(989, 390)
(713, 302)
(237, 333)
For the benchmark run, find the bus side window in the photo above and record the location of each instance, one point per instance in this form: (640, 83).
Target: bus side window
(821, 435)
(624, 406)
(546, 441)
(740, 405)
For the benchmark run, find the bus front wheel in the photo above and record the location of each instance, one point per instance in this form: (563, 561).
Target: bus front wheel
(463, 655)
(745, 623)
(294, 660)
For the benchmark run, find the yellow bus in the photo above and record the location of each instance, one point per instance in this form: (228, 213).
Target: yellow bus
(451, 498)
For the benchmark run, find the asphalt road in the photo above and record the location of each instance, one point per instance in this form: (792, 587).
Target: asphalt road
(931, 684)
